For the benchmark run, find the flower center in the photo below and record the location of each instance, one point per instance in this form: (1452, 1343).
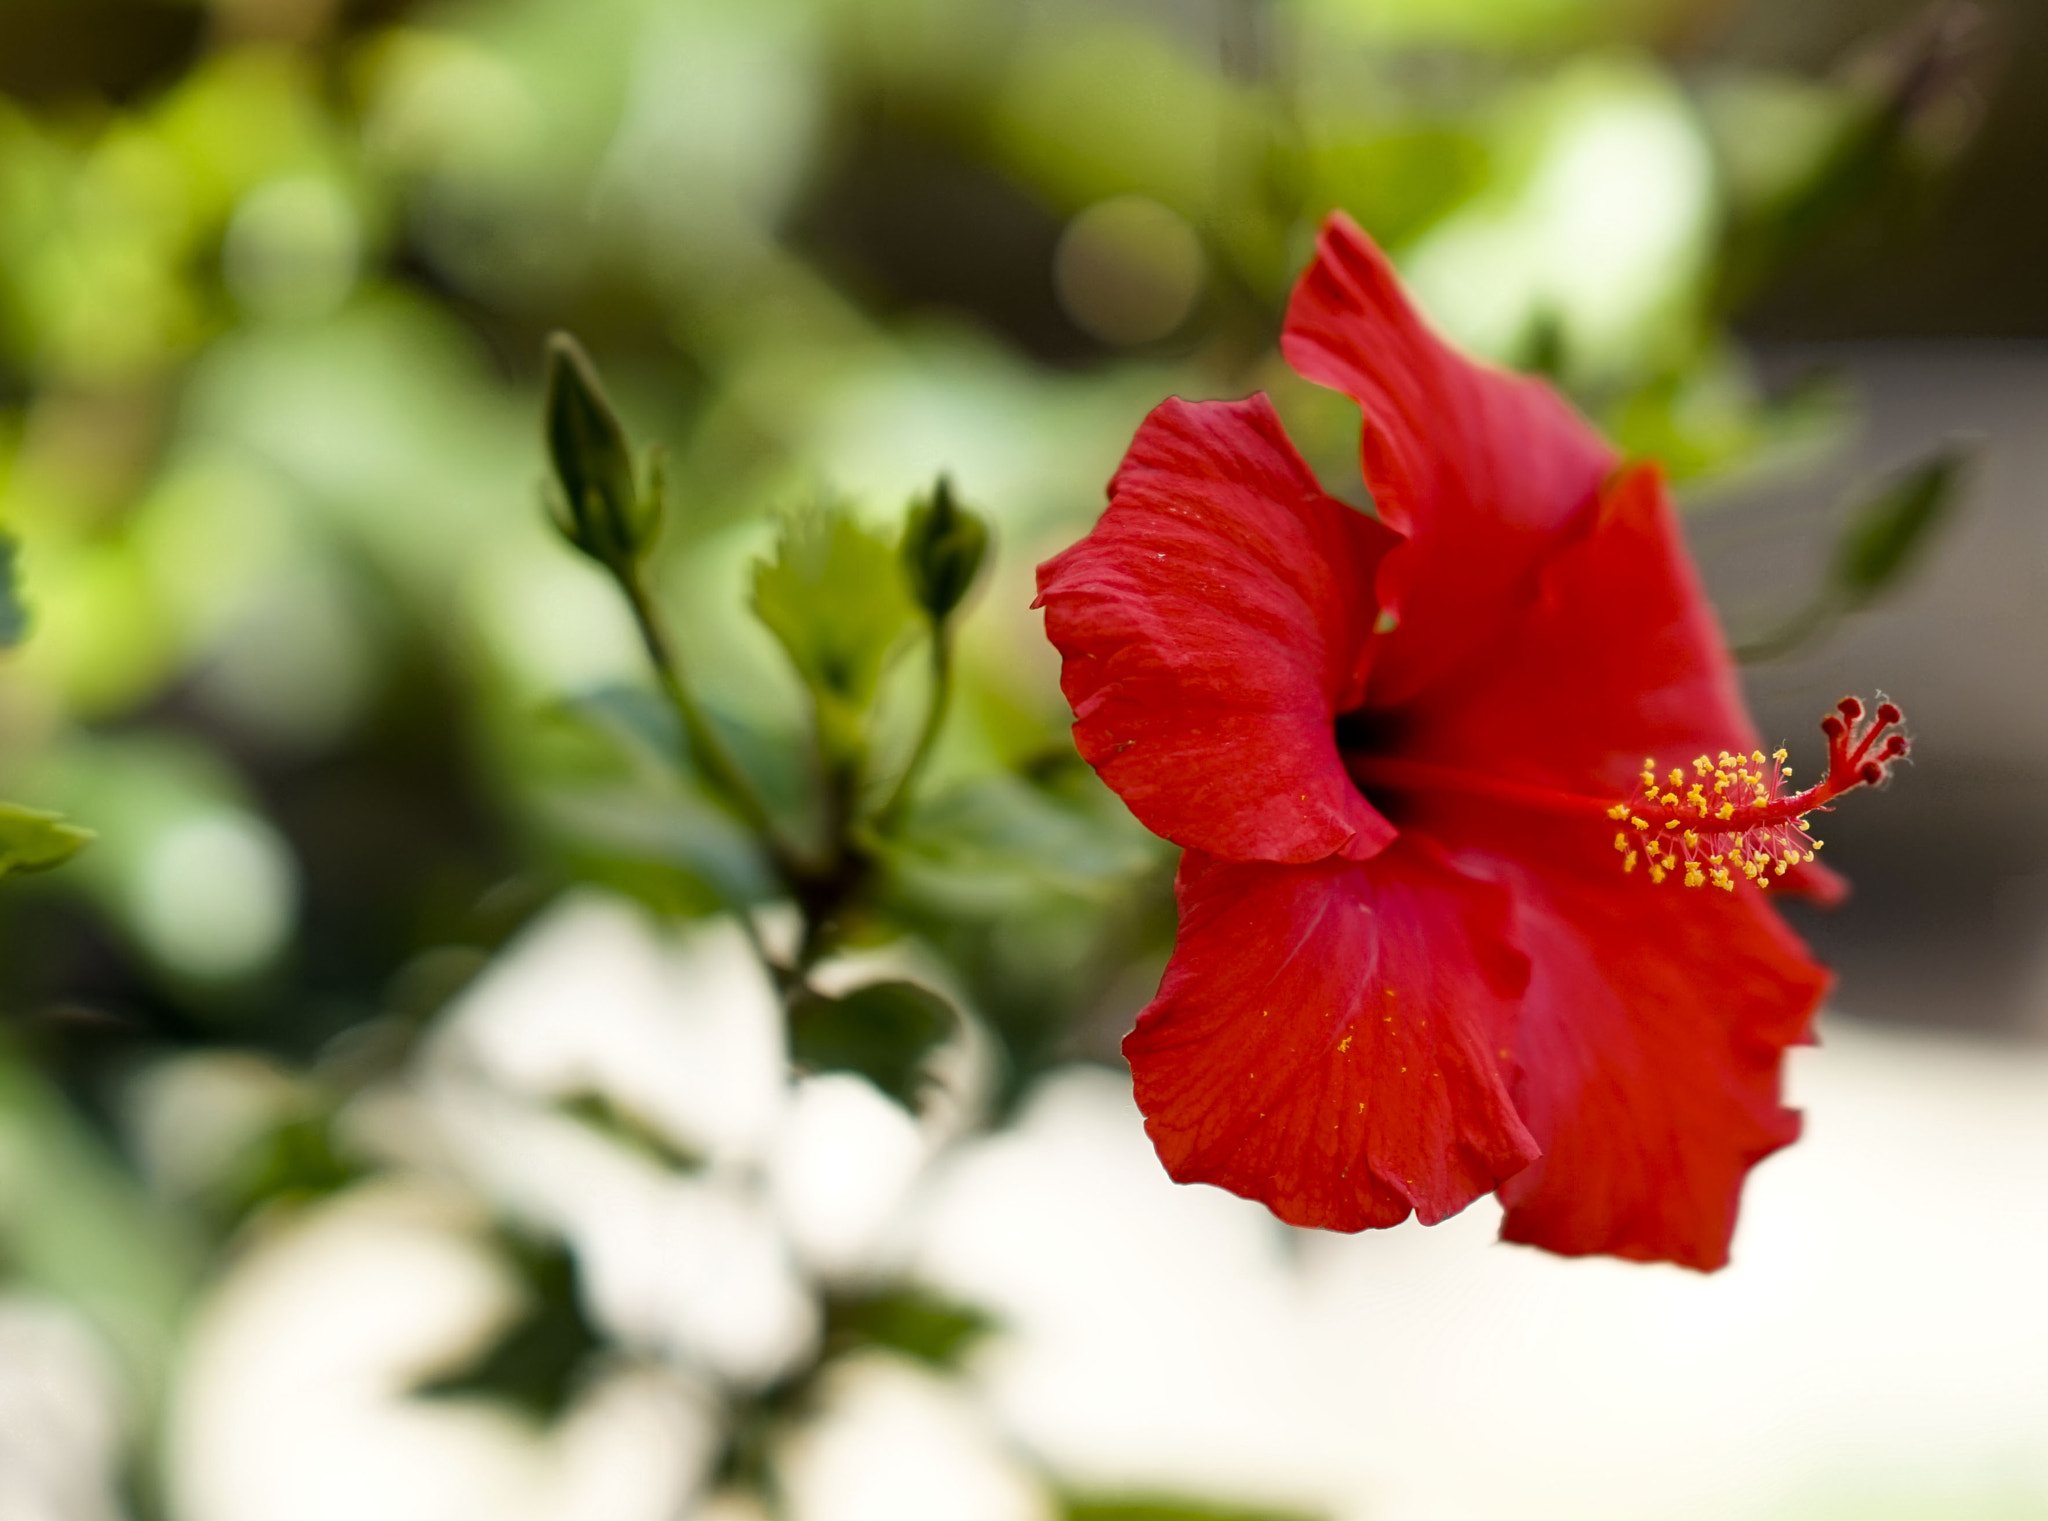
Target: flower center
(1732, 816)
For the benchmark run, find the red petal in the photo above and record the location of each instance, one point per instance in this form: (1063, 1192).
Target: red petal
(1326, 1039)
(1650, 1044)
(1620, 658)
(1486, 471)
(1208, 625)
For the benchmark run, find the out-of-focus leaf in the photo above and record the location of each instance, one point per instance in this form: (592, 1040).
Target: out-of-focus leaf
(912, 1321)
(1875, 154)
(13, 614)
(835, 599)
(32, 840)
(536, 1362)
(1167, 1508)
(630, 1130)
(77, 1226)
(296, 1162)
(1398, 183)
(988, 845)
(1886, 532)
(883, 1031)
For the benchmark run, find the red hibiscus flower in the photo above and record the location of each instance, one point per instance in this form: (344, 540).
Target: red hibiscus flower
(1435, 934)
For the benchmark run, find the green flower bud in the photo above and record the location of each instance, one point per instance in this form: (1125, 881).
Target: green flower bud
(943, 547)
(599, 507)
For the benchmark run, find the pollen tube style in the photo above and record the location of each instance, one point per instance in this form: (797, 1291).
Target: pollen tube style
(1412, 967)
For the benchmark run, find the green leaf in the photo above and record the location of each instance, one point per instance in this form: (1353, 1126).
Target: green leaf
(883, 1031)
(13, 612)
(32, 840)
(996, 843)
(834, 598)
(296, 1162)
(1166, 1508)
(632, 1131)
(911, 1321)
(537, 1361)
(1884, 535)
(1886, 532)
(943, 547)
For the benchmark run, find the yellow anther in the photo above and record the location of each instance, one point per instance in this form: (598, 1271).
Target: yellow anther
(1628, 862)
(1727, 811)
(1671, 863)
(1637, 822)
(1694, 877)
(1702, 765)
(1621, 842)
(1656, 873)
(1618, 811)
(1692, 841)
(1804, 825)
(1677, 777)
(1757, 759)
(1669, 800)
(1763, 881)
(1779, 755)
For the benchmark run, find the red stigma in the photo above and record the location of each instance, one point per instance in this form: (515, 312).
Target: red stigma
(1731, 816)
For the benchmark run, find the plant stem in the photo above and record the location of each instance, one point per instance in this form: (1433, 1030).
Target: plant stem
(706, 748)
(934, 720)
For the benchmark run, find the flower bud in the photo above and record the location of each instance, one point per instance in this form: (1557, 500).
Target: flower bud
(599, 509)
(943, 547)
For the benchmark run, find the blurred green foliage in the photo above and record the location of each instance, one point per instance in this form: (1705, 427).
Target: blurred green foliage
(275, 280)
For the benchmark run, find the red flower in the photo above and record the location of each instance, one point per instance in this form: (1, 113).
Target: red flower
(1417, 960)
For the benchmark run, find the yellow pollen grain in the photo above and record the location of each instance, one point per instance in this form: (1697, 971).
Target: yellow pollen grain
(1618, 811)
(1344, 1045)
(1691, 840)
(1656, 874)
(1727, 811)
(1757, 758)
(1702, 765)
(1677, 777)
(1669, 800)
(1629, 861)
(1637, 822)
(1621, 841)
(1779, 755)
